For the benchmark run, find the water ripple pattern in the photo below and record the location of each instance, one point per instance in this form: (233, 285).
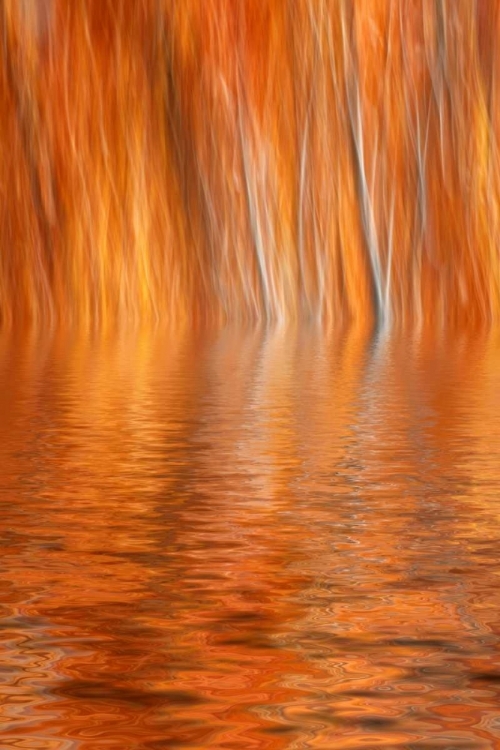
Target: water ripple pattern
(255, 539)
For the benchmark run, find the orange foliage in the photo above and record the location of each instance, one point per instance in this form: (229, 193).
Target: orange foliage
(249, 159)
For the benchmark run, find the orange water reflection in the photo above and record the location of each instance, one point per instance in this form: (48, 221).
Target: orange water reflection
(250, 539)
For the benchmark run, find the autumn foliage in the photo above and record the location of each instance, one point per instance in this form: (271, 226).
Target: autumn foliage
(279, 160)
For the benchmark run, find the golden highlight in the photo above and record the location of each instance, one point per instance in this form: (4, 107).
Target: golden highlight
(241, 160)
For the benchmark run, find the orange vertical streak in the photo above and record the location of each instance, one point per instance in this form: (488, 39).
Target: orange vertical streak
(240, 161)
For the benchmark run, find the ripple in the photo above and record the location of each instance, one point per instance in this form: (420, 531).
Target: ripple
(214, 543)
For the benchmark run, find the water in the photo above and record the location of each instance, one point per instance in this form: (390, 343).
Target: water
(250, 539)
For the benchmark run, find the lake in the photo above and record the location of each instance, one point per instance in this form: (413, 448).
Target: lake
(250, 538)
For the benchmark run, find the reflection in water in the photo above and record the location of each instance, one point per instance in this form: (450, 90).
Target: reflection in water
(250, 539)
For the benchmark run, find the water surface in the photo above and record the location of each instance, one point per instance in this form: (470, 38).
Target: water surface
(250, 539)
